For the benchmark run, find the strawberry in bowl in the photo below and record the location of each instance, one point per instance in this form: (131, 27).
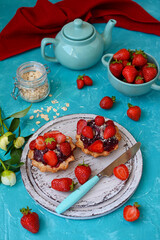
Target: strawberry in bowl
(51, 152)
(132, 72)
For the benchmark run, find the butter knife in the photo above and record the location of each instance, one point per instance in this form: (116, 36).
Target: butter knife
(106, 172)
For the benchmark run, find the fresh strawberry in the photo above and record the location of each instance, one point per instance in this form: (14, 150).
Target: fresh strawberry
(30, 220)
(50, 134)
(139, 80)
(32, 145)
(116, 68)
(99, 120)
(149, 72)
(133, 112)
(140, 73)
(50, 158)
(63, 184)
(80, 83)
(131, 213)
(82, 172)
(86, 80)
(50, 143)
(107, 102)
(109, 131)
(80, 125)
(60, 137)
(40, 143)
(109, 122)
(139, 58)
(87, 132)
(97, 146)
(121, 172)
(125, 63)
(129, 73)
(122, 54)
(65, 148)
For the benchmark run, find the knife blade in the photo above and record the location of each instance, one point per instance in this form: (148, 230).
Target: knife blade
(106, 172)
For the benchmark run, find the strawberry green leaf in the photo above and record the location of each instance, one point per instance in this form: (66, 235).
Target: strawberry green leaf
(14, 124)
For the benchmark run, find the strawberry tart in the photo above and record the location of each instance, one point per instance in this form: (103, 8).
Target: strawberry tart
(51, 152)
(97, 137)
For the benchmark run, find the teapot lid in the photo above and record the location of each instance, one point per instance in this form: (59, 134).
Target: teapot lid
(78, 30)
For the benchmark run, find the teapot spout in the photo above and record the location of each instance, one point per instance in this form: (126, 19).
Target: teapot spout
(107, 34)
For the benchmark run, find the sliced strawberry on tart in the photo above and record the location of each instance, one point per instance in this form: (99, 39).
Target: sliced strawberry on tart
(51, 152)
(97, 137)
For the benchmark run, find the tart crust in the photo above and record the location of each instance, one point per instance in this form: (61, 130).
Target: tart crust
(79, 144)
(47, 168)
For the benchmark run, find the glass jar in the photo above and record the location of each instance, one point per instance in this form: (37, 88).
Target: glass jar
(31, 82)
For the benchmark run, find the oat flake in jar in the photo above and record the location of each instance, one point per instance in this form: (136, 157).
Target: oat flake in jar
(31, 82)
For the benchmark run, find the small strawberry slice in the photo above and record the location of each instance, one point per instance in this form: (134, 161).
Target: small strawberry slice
(99, 120)
(65, 148)
(82, 172)
(60, 137)
(50, 158)
(32, 145)
(40, 143)
(50, 143)
(131, 213)
(63, 184)
(97, 146)
(121, 172)
(50, 134)
(87, 132)
(80, 125)
(109, 131)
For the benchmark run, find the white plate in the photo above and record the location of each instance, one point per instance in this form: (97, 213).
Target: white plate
(106, 196)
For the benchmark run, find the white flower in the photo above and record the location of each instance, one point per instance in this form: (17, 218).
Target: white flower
(8, 177)
(18, 142)
(4, 140)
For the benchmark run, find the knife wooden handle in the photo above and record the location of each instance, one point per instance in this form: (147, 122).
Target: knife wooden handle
(76, 195)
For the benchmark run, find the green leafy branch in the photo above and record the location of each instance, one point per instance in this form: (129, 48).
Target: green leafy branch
(11, 143)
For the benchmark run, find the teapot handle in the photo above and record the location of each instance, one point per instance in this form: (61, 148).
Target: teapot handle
(104, 61)
(44, 42)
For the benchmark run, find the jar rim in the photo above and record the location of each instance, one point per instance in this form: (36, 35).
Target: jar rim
(26, 64)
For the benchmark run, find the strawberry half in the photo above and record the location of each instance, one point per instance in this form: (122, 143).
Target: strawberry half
(97, 146)
(131, 213)
(60, 137)
(121, 172)
(109, 131)
(50, 158)
(65, 148)
(87, 132)
(32, 145)
(40, 143)
(50, 134)
(80, 125)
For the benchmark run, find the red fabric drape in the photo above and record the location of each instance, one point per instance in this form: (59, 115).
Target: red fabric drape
(31, 24)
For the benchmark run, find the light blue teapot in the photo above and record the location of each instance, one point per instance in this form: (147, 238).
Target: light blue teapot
(78, 45)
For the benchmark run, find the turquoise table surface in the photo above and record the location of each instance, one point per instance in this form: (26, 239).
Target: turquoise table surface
(64, 90)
